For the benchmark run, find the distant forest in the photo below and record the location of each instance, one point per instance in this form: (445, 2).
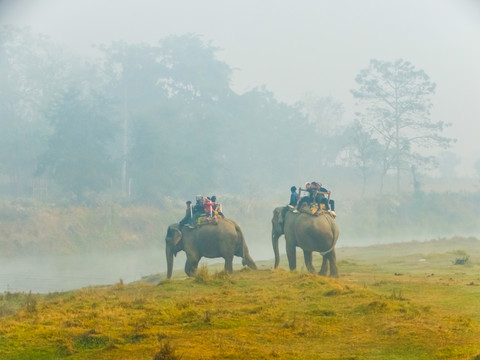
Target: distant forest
(142, 123)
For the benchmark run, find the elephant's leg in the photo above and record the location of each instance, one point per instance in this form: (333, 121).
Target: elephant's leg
(292, 256)
(191, 265)
(229, 264)
(324, 268)
(332, 258)
(308, 260)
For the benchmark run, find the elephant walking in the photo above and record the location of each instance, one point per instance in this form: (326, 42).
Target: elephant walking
(223, 239)
(310, 233)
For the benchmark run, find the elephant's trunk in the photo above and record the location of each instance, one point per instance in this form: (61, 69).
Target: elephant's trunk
(275, 237)
(172, 246)
(277, 231)
(169, 254)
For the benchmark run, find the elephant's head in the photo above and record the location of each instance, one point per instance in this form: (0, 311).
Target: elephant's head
(173, 244)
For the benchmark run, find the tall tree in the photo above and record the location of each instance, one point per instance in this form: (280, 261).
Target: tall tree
(364, 152)
(325, 117)
(32, 70)
(131, 73)
(77, 156)
(170, 99)
(396, 101)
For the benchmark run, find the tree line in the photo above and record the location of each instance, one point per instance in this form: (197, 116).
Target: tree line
(142, 122)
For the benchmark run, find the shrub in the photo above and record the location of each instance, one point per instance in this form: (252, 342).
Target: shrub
(167, 352)
(201, 275)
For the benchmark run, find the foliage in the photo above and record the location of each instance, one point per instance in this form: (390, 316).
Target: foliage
(77, 156)
(397, 100)
(371, 312)
(162, 121)
(364, 152)
(420, 214)
(30, 227)
(28, 230)
(31, 69)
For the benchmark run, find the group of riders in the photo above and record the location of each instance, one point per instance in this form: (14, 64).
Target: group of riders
(206, 209)
(317, 199)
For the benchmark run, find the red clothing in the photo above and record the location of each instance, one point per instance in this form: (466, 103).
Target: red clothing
(208, 206)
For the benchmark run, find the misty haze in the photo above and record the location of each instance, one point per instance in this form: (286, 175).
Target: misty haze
(239, 179)
(109, 124)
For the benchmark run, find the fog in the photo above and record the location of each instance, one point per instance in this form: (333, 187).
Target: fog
(295, 50)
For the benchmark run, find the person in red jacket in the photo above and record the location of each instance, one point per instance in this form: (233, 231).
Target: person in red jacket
(208, 207)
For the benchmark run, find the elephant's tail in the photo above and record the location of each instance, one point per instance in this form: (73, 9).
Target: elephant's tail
(335, 234)
(246, 259)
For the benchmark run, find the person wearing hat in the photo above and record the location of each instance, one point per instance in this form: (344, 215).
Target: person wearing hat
(188, 215)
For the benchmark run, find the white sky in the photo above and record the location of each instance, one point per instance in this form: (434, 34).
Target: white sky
(296, 46)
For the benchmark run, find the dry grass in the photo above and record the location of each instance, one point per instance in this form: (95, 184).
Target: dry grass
(389, 303)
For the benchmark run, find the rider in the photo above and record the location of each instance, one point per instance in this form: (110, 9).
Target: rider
(306, 199)
(293, 196)
(321, 199)
(208, 207)
(187, 219)
(217, 207)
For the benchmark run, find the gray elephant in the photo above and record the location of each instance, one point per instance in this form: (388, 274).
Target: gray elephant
(308, 232)
(221, 239)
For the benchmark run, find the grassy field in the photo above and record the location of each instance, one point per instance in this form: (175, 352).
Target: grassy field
(415, 300)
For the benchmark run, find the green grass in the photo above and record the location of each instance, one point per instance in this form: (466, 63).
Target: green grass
(399, 301)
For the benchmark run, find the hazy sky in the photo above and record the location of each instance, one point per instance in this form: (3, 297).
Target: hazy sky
(296, 47)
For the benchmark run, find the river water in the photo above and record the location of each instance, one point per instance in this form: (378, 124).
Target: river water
(47, 274)
(44, 274)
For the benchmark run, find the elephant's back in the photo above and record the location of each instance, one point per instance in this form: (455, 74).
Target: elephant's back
(314, 233)
(222, 229)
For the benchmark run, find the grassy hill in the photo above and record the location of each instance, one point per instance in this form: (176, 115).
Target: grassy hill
(398, 301)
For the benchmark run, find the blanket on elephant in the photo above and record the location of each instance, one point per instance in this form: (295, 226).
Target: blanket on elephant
(313, 210)
(204, 220)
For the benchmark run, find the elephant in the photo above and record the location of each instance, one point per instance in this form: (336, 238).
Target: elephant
(224, 238)
(310, 233)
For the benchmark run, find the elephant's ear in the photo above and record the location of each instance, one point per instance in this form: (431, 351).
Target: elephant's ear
(177, 236)
(174, 234)
(276, 214)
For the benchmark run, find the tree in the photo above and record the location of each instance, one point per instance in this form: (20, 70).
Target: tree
(170, 99)
(447, 163)
(397, 103)
(364, 152)
(77, 157)
(32, 71)
(325, 116)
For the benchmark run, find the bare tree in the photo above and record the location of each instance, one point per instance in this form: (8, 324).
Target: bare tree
(396, 101)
